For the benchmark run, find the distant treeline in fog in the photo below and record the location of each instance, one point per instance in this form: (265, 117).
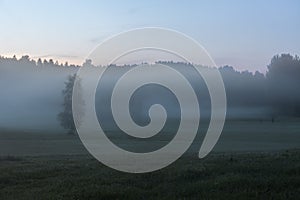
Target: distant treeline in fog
(31, 91)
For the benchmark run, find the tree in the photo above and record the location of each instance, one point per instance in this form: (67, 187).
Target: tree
(87, 63)
(51, 62)
(39, 63)
(283, 78)
(66, 116)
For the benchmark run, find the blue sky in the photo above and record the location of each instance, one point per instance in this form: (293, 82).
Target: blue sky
(244, 34)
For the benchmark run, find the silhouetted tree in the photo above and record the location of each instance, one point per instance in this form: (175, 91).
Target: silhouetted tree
(87, 63)
(45, 62)
(283, 77)
(51, 62)
(39, 63)
(66, 116)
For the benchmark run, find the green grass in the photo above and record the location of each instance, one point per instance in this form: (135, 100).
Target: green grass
(218, 176)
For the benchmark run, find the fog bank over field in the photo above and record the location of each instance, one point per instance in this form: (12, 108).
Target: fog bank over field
(31, 96)
(31, 92)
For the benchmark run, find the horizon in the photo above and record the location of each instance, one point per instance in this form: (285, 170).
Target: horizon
(245, 35)
(56, 62)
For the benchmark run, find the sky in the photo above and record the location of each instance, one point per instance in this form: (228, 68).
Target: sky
(244, 34)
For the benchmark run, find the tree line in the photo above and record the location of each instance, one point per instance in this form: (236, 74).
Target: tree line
(277, 91)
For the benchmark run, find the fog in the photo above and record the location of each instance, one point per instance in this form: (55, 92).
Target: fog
(31, 96)
(31, 93)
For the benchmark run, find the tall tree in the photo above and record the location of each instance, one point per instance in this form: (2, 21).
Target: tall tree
(283, 77)
(66, 116)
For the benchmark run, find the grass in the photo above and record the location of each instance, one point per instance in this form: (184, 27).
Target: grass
(218, 176)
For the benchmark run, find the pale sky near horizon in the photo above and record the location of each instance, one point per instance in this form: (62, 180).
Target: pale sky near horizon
(244, 34)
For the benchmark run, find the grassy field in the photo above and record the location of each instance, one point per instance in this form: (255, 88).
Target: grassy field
(237, 136)
(252, 160)
(273, 175)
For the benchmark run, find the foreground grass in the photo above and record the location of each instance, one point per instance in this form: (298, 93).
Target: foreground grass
(219, 176)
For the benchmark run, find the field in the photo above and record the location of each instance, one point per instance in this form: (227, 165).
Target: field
(237, 136)
(219, 176)
(252, 160)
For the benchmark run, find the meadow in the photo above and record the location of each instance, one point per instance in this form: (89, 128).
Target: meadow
(218, 176)
(252, 160)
